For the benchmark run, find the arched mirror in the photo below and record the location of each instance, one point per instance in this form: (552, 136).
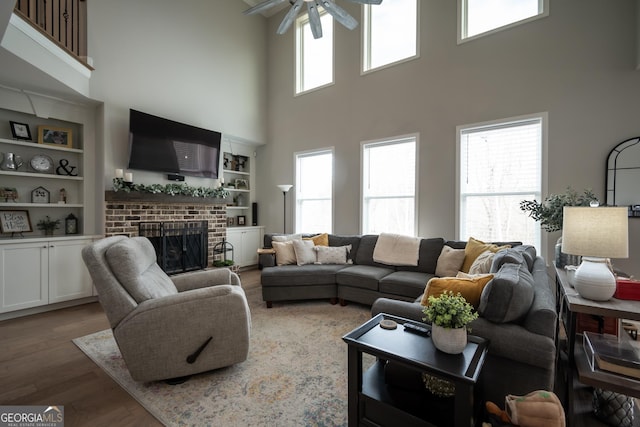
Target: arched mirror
(623, 175)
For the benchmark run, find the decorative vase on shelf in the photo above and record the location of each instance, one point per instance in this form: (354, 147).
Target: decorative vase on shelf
(449, 340)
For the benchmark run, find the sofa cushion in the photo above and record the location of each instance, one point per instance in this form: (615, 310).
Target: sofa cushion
(292, 275)
(362, 276)
(449, 262)
(508, 256)
(365, 252)
(354, 241)
(474, 248)
(470, 288)
(133, 262)
(482, 264)
(285, 237)
(304, 251)
(332, 254)
(508, 297)
(430, 250)
(404, 283)
(285, 254)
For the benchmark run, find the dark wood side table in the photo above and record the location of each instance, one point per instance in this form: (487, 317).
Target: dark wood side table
(370, 403)
(570, 303)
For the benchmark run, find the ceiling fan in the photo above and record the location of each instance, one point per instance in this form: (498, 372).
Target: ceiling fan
(338, 13)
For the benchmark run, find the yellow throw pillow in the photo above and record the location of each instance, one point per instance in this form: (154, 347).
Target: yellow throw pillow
(474, 248)
(470, 288)
(319, 240)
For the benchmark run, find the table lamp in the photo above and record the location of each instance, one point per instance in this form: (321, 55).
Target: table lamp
(596, 233)
(284, 188)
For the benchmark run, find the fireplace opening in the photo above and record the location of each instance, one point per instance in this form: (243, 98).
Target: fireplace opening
(180, 246)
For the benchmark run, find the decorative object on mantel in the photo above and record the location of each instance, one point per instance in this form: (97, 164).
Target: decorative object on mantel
(20, 131)
(119, 184)
(15, 222)
(597, 234)
(40, 195)
(71, 224)
(48, 225)
(449, 315)
(549, 213)
(62, 196)
(338, 13)
(41, 163)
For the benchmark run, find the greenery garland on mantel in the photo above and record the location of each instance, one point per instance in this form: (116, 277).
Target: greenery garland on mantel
(170, 189)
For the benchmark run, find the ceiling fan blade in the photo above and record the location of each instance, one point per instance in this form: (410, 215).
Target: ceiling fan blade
(339, 14)
(366, 1)
(314, 19)
(289, 17)
(262, 6)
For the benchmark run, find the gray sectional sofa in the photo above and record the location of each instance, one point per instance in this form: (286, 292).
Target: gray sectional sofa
(522, 350)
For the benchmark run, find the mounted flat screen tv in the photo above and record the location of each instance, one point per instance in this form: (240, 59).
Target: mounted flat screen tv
(161, 145)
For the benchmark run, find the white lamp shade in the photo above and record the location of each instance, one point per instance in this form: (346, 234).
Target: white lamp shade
(285, 187)
(596, 232)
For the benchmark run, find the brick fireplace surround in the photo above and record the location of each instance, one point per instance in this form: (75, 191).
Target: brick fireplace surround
(125, 210)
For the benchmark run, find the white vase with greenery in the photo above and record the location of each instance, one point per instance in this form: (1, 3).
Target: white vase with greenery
(449, 315)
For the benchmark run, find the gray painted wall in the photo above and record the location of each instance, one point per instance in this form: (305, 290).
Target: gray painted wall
(577, 64)
(199, 62)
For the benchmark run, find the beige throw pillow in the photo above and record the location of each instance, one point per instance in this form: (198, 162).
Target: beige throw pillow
(482, 264)
(449, 261)
(285, 254)
(304, 251)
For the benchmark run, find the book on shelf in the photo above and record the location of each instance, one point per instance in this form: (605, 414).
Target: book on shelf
(610, 353)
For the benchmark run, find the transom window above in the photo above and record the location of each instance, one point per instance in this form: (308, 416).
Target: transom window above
(314, 57)
(479, 17)
(390, 33)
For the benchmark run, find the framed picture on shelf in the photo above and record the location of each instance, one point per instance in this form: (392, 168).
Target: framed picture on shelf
(15, 221)
(242, 184)
(52, 135)
(242, 220)
(20, 131)
(231, 221)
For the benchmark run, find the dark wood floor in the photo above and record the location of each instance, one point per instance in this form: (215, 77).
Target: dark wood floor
(39, 365)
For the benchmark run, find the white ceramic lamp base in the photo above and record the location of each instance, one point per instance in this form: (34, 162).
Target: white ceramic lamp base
(593, 280)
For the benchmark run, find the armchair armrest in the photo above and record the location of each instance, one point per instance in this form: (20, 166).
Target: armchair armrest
(205, 278)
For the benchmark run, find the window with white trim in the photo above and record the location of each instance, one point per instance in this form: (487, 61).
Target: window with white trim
(476, 17)
(314, 57)
(390, 33)
(500, 164)
(389, 186)
(314, 191)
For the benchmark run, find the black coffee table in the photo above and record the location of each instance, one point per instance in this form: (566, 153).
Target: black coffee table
(370, 401)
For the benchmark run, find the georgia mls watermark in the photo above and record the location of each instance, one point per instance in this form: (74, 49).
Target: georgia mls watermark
(31, 416)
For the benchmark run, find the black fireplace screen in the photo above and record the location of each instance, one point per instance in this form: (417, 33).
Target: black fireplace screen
(180, 246)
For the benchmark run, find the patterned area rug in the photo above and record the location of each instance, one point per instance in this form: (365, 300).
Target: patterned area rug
(295, 375)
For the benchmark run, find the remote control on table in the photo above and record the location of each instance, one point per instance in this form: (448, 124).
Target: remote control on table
(410, 327)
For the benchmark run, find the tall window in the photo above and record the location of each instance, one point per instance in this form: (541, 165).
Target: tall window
(500, 164)
(314, 191)
(390, 33)
(389, 186)
(482, 16)
(314, 57)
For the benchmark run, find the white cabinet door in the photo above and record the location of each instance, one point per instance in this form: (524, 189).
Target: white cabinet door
(24, 269)
(250, 245)
(68, 276)
(246, 242)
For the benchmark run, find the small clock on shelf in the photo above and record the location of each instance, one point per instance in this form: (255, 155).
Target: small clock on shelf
(40, 195)
(41, 163)
(71, 224)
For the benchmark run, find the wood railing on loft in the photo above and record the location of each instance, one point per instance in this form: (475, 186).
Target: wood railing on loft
(62, 21)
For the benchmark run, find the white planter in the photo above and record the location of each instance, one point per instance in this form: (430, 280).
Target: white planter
(452, 341)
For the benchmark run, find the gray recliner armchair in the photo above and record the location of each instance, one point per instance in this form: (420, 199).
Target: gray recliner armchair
(168, 327)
